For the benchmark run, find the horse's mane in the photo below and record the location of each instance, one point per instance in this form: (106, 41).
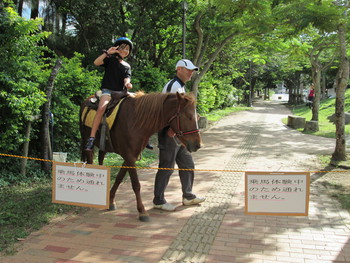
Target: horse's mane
(149, 108)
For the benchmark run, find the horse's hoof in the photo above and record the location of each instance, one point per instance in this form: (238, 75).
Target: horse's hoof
(112, 207)
(144, 218)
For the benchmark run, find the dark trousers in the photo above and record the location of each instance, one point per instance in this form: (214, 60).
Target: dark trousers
(169, 153)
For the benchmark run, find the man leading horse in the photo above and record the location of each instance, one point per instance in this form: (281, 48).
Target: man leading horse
(171, 150)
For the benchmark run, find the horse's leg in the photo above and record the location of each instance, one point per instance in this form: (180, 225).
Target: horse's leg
(89, 156)
(83, 153)
(101, 157)
(117, 182)
(136, 186)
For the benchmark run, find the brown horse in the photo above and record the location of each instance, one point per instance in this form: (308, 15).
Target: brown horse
(139, 118)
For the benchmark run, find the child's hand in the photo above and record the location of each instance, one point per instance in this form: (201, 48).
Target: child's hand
(113, 50)
(128, 85)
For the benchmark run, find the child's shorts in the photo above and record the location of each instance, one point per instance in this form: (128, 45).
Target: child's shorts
(106, 92)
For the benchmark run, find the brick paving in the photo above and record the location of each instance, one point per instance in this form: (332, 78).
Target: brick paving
(217, 231)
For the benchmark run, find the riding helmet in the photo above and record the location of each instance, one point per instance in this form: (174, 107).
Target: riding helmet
(123, 40)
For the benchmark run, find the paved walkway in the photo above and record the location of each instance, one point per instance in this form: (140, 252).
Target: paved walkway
(218, 231)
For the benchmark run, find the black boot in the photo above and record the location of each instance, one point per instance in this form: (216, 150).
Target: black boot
(148, 146)
(90, 144)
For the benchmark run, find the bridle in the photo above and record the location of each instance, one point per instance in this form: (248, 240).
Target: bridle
(177, 117)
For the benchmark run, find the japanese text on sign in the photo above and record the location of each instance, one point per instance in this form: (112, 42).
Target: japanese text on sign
(78, 184)
(277, 193)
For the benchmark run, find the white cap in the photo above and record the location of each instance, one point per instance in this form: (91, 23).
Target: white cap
(186, 64)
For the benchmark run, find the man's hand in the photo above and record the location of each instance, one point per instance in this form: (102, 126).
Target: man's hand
(171, 133)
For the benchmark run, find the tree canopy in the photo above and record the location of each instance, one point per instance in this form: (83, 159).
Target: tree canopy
(242, 48)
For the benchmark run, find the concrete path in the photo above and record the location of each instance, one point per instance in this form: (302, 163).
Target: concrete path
(217, 231)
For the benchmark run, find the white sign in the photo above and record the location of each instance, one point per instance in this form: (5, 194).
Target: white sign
(277, 193)
(80, 184)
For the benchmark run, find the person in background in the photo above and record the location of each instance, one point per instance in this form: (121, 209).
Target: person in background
(171, 151)
(311, 95)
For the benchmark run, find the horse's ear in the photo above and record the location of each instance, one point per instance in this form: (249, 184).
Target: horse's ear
(179, 95)
(181, 98)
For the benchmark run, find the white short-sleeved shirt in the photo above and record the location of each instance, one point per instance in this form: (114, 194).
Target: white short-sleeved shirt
(174, 85)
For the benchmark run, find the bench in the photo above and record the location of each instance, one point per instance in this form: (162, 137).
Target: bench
(296, 122)
(311, 126)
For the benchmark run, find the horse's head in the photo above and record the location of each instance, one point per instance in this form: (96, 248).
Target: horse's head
(185, 122)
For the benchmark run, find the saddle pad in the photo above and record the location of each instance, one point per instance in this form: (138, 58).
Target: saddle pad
(89, 115)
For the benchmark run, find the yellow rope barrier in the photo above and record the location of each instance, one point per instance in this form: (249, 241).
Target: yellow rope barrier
(157, 168)
(30, 158)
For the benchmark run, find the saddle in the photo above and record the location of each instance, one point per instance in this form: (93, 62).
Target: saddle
(116, 97)
(89, 112)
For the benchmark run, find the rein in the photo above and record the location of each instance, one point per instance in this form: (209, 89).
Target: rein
(180, 132)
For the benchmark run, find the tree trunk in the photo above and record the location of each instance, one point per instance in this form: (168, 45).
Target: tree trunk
(301, 88)
(297, 87)
(20, 7)
(25, 149)
(316, 78)
(34, 13)
(57, 19)
(45, 138)
(342, 81)
(64, 25)
(289, 86)
(323, 86)
(199, 31)
(200, 50)
(26, 144)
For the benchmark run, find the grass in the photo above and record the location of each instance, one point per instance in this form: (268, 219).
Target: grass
(337, 184)
(327, 108)
(26, 208)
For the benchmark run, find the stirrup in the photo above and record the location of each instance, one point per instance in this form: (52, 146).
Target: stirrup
(90, 144)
